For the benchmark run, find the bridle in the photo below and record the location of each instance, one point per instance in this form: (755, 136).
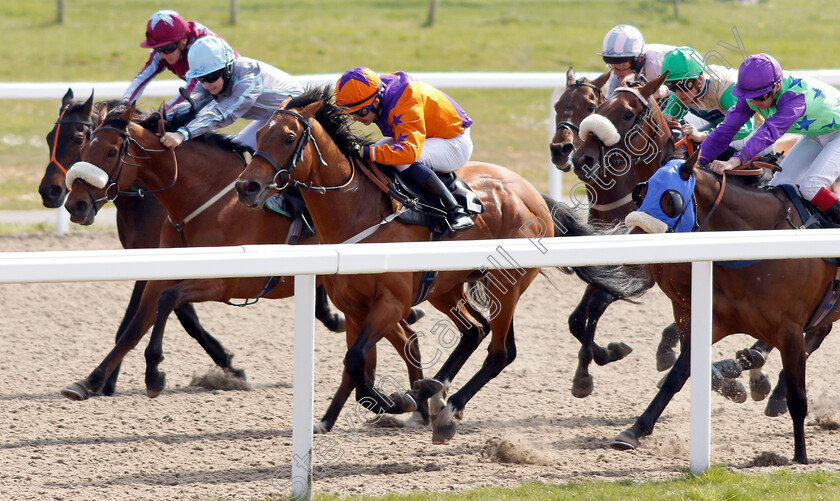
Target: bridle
(283, 176)
(112, 189)
(58, 123)
(565, 124)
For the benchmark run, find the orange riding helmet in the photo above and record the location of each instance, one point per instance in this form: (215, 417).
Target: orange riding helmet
(357, 88)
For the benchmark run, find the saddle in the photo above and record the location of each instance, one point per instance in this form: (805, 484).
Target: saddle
(290, 204)
(426, 210)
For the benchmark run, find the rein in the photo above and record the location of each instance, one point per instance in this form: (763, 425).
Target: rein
(743, 170)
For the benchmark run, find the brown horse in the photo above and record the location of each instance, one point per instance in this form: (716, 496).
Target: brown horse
(312, 142)
(129, 153)
(774, 301)
(139, 219)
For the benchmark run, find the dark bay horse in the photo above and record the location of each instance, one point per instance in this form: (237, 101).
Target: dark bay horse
(605, 170)
(309, 144)
(139, 219)
(204, 206)
(774, 301)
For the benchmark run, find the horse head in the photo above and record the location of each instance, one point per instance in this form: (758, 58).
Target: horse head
(666, 200)
(65, 140)
(107, 167)
(578, 101)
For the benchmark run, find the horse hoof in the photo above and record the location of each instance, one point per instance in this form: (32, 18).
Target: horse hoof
(77, 391)
(428, 385)
(617, 351)
(157, 386)
(661, 381)
(750, 359)
(416, 314)
(237, 373)
(625, 441)
(582, 386)
(775, 408)
(760, 385)
(442, 433)
(729, 368)
(417, 420)
(403, 402)
(109, 389)
(320, 428)
(665, 359)
(733, 390)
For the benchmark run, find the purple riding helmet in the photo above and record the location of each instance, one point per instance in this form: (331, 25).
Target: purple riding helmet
(757, 75)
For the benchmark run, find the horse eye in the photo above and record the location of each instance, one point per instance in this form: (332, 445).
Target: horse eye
(590, 108)
(628, 115)
(79, 141)
(112, 153)
(290, 138)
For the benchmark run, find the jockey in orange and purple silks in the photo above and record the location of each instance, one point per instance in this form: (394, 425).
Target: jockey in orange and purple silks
(425, 130)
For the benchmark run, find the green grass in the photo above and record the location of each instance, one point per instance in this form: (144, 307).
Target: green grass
(99, 42)
(718, 484)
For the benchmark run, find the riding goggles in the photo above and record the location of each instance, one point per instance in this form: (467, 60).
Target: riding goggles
(168, 48)
(363, 112)
(211, 77)
(763, 97)
(620, 66)
(683, 85)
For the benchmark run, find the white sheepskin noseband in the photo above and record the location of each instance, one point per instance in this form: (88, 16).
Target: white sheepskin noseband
(645, 221)
(88, 173)
(601, 127)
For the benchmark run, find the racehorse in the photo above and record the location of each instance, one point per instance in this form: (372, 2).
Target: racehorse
(774, 301)
(207, 214)
(139, 219)
(309, 144)
(645, 142)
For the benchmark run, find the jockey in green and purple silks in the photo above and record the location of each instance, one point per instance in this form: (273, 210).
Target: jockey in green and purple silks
(788, 103)
(425, 130)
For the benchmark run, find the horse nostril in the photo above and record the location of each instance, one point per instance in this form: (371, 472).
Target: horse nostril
(567, 149)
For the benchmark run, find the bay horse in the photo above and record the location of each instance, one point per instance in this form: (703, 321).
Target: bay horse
(578, 101)
(774, 301)
(309, 144)
(139, 219)
(644, 142)
(205, 208)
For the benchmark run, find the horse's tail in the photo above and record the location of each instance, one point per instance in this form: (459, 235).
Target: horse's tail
(620, 281)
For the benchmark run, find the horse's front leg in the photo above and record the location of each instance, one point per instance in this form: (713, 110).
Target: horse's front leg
(384, 316)
(674, 381)
(130, 311)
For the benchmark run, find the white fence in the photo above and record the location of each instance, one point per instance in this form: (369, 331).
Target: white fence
(305, 261)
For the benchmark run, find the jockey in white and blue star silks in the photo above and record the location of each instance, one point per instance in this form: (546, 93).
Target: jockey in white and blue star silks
(425, 130)
(799, 105)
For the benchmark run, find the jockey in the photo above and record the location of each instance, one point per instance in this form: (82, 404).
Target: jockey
(788, 103)
(701, 90)
(170, 38)
(232, 87)
(624, 51)
(425, 130)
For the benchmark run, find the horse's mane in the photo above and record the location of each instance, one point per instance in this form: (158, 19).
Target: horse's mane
(332, 118)
(149, 121)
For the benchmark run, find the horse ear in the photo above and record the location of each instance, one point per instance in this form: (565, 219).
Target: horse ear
(651, 87)
(602, 80)
(285, 102)
(67, 99)
(311, 109)
(86, 109)
(687, 169)
(570, 76)
(99, 116)
(128, 113)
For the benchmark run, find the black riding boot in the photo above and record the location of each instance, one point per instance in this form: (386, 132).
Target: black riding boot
(833, 212)
(455, 214)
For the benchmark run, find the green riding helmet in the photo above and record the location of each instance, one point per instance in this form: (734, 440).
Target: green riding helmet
(683, 63)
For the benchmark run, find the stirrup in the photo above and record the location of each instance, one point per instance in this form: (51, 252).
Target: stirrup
(459, 221)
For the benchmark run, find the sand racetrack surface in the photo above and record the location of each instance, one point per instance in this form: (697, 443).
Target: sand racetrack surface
(192, 441)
